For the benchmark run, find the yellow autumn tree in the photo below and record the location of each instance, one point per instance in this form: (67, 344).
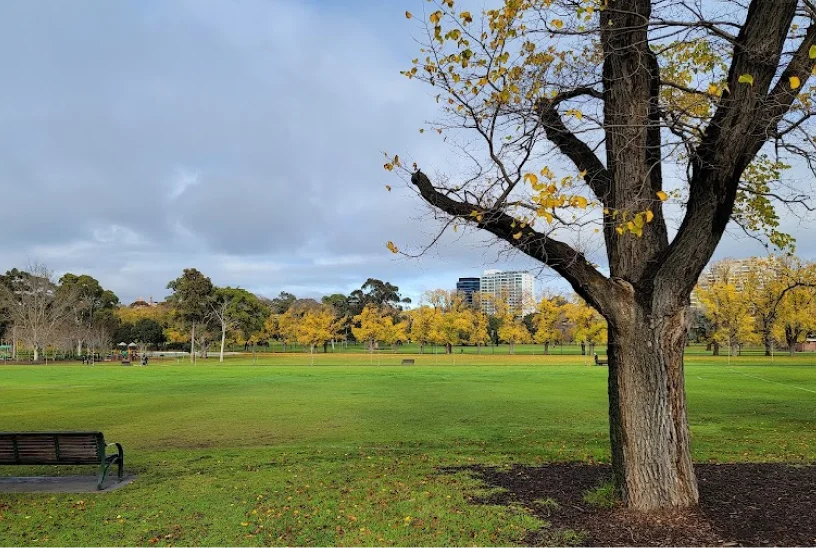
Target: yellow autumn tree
(160, 313)
(393, 332)
(478, 334)
(546, 321)
(797, 317)
(728, 310)
(369, 325)
(511, 327)
(287, 327)
(765, 286)
(451, 321)
(421, 329)
(317, 327)
(270, 328)
(588, 327)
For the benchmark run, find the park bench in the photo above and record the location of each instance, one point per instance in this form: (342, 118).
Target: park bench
(601, 361)
(408, 362)
(45, 448)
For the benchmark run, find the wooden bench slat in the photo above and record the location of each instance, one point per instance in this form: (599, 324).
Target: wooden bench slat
(51, 448)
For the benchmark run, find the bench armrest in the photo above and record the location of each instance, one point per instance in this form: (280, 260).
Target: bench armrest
(118, 448)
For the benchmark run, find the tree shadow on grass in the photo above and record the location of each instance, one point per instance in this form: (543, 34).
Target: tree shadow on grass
(767, 504)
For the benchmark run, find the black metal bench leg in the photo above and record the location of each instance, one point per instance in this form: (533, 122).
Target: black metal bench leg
(103, 471)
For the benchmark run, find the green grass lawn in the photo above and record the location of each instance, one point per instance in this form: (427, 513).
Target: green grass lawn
(346, 453)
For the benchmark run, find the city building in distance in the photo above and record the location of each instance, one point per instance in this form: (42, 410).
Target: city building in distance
(517, 286)
(468, 287)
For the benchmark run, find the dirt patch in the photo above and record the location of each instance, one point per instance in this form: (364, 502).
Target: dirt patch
(740, 505)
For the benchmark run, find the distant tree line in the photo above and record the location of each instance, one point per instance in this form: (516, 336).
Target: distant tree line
(767, 301)
(770, 302)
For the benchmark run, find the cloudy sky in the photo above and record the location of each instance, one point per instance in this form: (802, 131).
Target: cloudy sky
(242, 138)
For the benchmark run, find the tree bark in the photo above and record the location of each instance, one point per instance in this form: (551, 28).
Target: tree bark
(651, 456)
(716, 349)
(790, 337)
(546, 348)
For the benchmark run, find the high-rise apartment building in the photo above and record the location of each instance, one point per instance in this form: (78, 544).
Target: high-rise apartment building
(468, 287)
(517, 286)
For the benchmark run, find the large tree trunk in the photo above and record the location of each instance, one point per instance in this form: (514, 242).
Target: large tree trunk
(715, 349)
(546, 348)
(792, 345)
(79, 347)
(651, 457)
(790, 338)
(36, 353)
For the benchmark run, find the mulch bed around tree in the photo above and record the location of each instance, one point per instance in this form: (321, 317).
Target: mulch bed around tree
(740, 505)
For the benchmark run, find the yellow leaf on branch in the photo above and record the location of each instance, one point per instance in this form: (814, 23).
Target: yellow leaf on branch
(795, 82)
(746, 79)
(662, 195)
(391, 247)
